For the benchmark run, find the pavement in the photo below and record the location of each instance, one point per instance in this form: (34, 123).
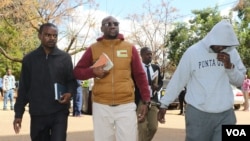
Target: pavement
(81, 128)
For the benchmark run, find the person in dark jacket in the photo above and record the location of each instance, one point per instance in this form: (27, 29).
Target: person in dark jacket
(182, 101)
(41, 69)
(148, 128)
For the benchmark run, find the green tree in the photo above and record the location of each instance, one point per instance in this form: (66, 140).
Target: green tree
(243, 9)
(186, 34)
(20, 21)
(14, 31)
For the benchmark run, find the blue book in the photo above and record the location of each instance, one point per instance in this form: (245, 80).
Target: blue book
(59, 90)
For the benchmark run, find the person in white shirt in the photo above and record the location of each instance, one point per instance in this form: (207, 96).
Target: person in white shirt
(246, 89)
(207, 69)
(8, 89)
(1, 86)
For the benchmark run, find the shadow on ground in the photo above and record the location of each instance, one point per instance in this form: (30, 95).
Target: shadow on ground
(161, 135)
(71, 136)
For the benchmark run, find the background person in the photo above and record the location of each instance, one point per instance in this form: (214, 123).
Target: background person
(77, 100)
(148, 127)
(114, 110)
(182, 101)
(41, 69)
(246, 89)
(1, 86)
(91, 84)
(146, 57)
(8, 89)
(85, 97)
(207, 69)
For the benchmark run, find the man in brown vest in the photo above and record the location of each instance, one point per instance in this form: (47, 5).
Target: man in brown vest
(114, 110)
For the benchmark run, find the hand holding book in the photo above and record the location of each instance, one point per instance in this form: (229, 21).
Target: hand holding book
(65, 98)
(103, 61)
(61, 93)
(155, 77)
(59, 90)
(102, 66)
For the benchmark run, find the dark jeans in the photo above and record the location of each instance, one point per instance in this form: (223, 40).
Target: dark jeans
(77, 102)
(51, 127)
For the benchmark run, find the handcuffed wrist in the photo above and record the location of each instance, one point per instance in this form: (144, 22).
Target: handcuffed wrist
(163, 106)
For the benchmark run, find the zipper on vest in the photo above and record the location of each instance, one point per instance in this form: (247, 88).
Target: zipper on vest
(113, 93)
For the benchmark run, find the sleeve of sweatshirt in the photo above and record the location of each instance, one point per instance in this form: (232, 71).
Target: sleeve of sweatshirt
(82, 70)
(236, 75)
(179, 80)
(140, 76)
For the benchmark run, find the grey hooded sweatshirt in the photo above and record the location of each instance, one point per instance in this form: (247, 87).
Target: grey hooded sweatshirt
(208, 82)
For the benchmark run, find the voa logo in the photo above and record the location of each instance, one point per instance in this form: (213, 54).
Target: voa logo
(236, 132)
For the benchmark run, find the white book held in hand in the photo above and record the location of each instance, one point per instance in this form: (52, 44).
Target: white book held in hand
(103, 61)
(155, 77)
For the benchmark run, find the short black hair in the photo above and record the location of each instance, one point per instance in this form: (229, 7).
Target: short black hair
(107, 18)
(45, 25)
(144, 49)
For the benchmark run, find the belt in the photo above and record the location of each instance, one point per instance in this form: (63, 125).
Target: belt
(155, 103)
(10, 89)
(114, 105)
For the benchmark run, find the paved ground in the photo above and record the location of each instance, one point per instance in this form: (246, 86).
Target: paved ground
(80, 128)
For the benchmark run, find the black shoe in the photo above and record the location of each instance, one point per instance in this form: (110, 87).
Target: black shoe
(180, 113)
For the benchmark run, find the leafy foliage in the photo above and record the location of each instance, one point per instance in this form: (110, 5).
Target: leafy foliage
(15, 29)
(19, 22)
(243, 9)
(184, 35)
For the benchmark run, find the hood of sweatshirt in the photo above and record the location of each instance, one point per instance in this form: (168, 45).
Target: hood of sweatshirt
(222, 34)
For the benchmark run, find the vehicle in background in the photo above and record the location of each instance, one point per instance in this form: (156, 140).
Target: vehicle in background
(161, 93)
(173, 105)
(238, 97)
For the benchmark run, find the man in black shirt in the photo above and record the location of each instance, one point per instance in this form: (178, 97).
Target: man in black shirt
(41, 69)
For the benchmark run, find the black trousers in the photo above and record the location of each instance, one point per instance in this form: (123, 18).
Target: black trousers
(1, 91)
(182, 100)
(51, 127)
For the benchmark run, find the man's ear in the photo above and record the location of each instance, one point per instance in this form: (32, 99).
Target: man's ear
(39, 36)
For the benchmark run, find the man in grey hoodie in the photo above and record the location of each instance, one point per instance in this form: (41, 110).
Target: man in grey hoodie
(207, 69)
